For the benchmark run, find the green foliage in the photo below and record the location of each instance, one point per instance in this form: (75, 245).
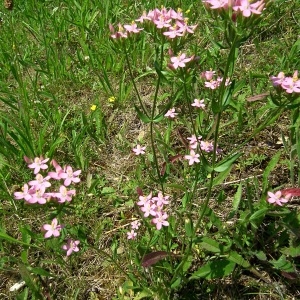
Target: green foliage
(70, 92)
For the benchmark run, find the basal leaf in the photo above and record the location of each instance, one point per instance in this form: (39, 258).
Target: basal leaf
(214, 269)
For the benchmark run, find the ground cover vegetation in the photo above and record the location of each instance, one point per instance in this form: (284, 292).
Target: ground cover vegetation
(149, 149)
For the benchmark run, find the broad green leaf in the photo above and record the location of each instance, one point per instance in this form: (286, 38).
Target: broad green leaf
(176, 283)
(238, 259)
(188, 225)
(210, 245)
(222, 176)
(260, 255)
(258, 214)
(214, 269)
(283, 264)
(223, 165)
(291, 251)
(271, 165)
(145, 293)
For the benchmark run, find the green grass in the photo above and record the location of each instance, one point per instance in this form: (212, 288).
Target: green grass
(56, 61)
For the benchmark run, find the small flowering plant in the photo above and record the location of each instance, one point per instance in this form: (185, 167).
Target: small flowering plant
(41, 191)
(201, 94)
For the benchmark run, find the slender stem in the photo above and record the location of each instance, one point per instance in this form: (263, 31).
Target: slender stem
(152, 123)
(133, 82)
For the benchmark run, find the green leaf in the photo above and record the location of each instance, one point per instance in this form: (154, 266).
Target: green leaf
(260, 255)
(283, 264)
(271, 165)
(238, 259)
(228, 95)
(176, 283)
(222, 176)
(141, 115)
(10, 239)
(210, 245)
(215, 269)
(145, 293)
(40, 271)
(188, 225)
(291, 251)
(236, 201)
(223, 165)
(258, 214)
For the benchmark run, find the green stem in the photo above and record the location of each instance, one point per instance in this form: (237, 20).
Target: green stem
(133, 82)
(152, 124)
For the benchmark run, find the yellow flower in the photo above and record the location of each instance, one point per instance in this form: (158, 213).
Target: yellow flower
(93, 107)
(111, 99)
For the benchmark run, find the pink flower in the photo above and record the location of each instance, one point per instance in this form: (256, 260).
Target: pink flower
(132, 28)
(26, 194)
(192, 157)
(194, 141)
(211, 84)
(131, 235)
(246, 7)
(208, 75)
(52, 229)
(180, 60)
(216, 4)
(171, 113)
(144, 200)
(117, 35)
(64, 195)
(290, 85)
(199, 103)
(277, 198)
(38, 163)
(139, 150)
(58, 171)
(135, 224)
(70, 176)
(160, 220)
(39, 196)
(148, 209)
(161, 199)
(173, 32)
(206, 146)
(71, 246)
(40, 182)
(183, 27)
(277, 80)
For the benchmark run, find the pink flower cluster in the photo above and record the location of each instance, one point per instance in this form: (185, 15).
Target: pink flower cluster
(278, 198)
(151, 207)
(124, 31)
(289, 84)
(54, 229)
(205, 146)
(36, 192)
(211, 82)
(244, 7)
(170, 22)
